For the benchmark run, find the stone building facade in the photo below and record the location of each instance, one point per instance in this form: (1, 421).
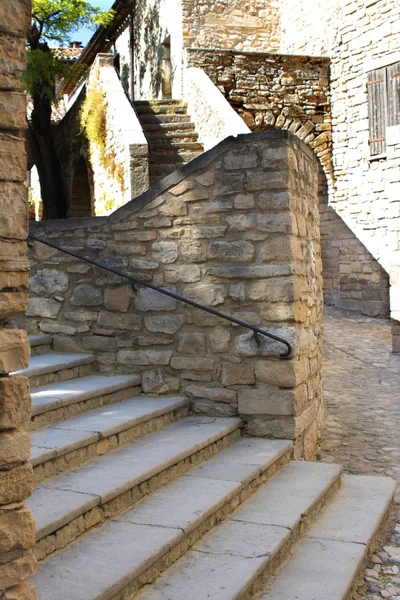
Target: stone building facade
(281, 67)
(17, 527)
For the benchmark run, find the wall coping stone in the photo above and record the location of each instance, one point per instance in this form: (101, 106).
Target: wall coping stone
(325, 59)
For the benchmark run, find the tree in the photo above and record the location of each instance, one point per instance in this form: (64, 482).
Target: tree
(53, 22)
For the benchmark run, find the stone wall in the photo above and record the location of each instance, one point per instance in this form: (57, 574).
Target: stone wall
(236, 25)
(17, 528)
(361, 35)
(236, 229)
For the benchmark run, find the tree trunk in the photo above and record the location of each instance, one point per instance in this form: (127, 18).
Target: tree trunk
(46, 160)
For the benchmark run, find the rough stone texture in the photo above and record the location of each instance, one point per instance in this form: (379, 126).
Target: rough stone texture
(179, 347)
(17, 529)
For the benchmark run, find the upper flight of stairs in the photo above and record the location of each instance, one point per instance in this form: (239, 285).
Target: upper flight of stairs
(135, 498)
(172, 138)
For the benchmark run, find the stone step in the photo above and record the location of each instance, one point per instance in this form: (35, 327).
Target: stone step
(176, 158)
(161, 109)
(170, 139)
(168, 128)
(162, 102)
(59, 401)
(75, 442)
(51, 368)
(236, 556)
(326, 564)
(161, 527)
(175, 147)
(72, 503)
(40, 344)
(161, 119)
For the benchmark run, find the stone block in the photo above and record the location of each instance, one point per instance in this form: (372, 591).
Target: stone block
(14, 350)
(182, 273)
(164, 323)
(243, 160)
(247, 345)
(194, 195)
(144, 357)
(13, 113)
(148, 299)
(282, 373)
(237, 374)
(99, 343)
(274, 290)
(86, 295)
(118, 298)
(124, 321)
(244, 201)
(14, 572)
(12, 61)
(24, 591)
(43, 307)
(193, 251)
(15, 401)
(182, 187)
(14, 273)
(240, 251)
(192, 343)
(15, 447)
(17, 530)
(16, 484)
(214, 393)
(49, 282)
(143, 265)
(207, 294)
(274, 201)
(13, 304)
(191, 363)
(165, 252)
(14, 214)
(270, 400)
(206, 178)
(155, 381)
(15, 18)
(219, 339)
(279, 248)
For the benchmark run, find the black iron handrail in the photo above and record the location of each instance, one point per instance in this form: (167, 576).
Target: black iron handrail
(256, 330)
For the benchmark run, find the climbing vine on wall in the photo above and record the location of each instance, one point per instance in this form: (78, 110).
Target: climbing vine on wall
(93, 118)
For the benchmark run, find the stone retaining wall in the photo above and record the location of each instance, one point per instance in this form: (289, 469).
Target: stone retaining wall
(17, 527)
(236, 229)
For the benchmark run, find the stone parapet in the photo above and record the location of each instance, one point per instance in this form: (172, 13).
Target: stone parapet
(236, 230)
(17, 527)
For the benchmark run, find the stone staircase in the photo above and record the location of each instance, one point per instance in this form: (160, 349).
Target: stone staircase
(135, 498)
(172, 138)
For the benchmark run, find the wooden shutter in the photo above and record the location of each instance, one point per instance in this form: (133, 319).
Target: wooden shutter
(393, 94)
(377, 110)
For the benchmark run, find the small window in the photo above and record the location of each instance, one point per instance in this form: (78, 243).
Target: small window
(383, 105)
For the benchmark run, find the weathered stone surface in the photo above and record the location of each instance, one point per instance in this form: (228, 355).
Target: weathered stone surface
(274, 290)
(208, 294)
(13, 303)
(12, 61)
(155, 381)
(24, 591)
(182, 273)
(43, 307)
(16, 484)
(148, 299)
(113, 320)
(164, 323)
(232, 251)
(20, 569)
(86, 295)
(14, 447)
(244, 201)
(48, 282)
(219, 339)
(284, 373)
(192, 364)
(15, 18)
(14, 413)
(270, 400)
(13, 165)
(165, 252)
(14, 215)
(144, 357)
(12, 110)
(17, 530)
(99, 343)
(233, 374)
(247, 345)
(217, 394)
(14, 350)
(192, 343)
(251, 272)
(193, 251)
(143, 265)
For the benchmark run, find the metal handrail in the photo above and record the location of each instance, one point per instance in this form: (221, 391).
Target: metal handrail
(256, 330)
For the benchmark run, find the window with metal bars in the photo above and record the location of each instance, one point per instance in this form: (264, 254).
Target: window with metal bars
(383, 105)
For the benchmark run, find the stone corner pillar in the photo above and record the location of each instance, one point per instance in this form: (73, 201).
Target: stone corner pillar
(17, 527)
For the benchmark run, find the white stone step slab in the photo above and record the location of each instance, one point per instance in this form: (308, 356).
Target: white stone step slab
(64, 393)
(179, 507)
(225, 564)
(111, 475)
(52, 363)
(326, 563)
(101, 423)
(39, 340)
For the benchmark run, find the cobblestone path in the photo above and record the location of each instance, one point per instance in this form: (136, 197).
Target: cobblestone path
(362, 395)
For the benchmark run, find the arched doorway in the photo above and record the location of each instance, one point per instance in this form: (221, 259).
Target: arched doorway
(80, 202)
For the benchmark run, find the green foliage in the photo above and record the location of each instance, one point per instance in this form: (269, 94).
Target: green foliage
(57, 20)
(93, 119)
